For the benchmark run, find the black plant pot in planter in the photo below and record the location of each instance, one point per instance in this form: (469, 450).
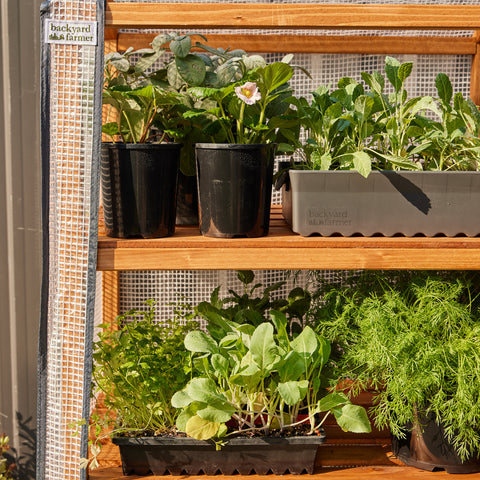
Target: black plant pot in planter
(187, 200)
(139, 187)
(186, 456)
(234, 188)
(427, 448)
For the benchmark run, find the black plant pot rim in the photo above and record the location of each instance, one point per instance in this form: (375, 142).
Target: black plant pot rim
(143, 146)
(234, 441)
(231, 146)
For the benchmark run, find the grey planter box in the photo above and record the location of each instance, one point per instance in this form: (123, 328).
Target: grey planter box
(386, 203)
(186, 456)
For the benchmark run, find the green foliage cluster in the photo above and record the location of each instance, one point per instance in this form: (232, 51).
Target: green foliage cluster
(352, 127)
(418, 343)
(227, 117)
(260, 379)
(257, 367)
(254, 302)
(190, 97)
(139, 366)
(6, 468)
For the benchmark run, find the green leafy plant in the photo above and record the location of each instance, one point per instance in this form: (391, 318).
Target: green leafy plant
(147, 107)
(257, 380)
(353, 127)
(6, 468)
(251, 109)
(138, 365)
(417, 343)
(253, 303)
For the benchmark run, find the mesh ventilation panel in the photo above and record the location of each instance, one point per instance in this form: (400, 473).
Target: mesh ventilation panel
(72, 218)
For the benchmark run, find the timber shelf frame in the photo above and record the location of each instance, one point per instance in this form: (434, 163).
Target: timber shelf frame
(281, 249)
(188, 250)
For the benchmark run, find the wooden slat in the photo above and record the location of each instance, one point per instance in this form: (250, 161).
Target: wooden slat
(324, 43)
(281, 249)
(291, 16)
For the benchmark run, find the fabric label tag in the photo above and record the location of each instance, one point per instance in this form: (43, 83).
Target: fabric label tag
(71, 33)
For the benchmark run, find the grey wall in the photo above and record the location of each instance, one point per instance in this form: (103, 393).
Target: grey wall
(20, 222)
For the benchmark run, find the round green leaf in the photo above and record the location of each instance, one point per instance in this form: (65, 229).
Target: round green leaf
(201, 429)
(199, 342)
(191, 69)
(353, 418)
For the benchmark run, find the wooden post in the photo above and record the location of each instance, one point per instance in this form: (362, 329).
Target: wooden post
(475, 72)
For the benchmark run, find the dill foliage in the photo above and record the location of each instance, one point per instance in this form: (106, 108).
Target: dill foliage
(418, 343)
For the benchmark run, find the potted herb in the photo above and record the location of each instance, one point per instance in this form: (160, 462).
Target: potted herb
(140, 168)
(245, 119)
(257, 393)
(377, 163)
(415, 342)
(138, 366)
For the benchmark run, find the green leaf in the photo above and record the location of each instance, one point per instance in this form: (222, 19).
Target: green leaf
(110, 128)
(213, 414)
(246, 276)
(185, 415)
(404, 71)
(392, 66)
(444, 88)
(306, 343)
(205, 390)
(191, 69)
(275, 75)
(181, 45)
(199, 342)
(280, 321)
(364, 106)
(263, 347)
(220, 364)
(201, 429)
(331, 401)
(292, 367)
(181, 399)
(290, 392)
(149, 58)
(353, 418)
(362, 163)
(161, 40)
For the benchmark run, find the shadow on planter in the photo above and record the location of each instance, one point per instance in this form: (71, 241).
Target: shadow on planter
(386, 203)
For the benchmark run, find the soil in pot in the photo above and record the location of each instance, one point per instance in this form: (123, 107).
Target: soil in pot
(234, 188)
(139, 185)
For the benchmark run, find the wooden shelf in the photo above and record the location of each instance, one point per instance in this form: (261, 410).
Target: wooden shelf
(356, 473)
(291, 16)
(281, 249)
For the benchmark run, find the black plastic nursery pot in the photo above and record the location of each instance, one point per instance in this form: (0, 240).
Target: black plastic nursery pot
(139, 187)
(386, 203)
(245, 456)
(187, 200)
(234, 188)
(427, 448)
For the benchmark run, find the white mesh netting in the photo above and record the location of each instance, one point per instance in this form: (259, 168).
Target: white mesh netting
(71, 84)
